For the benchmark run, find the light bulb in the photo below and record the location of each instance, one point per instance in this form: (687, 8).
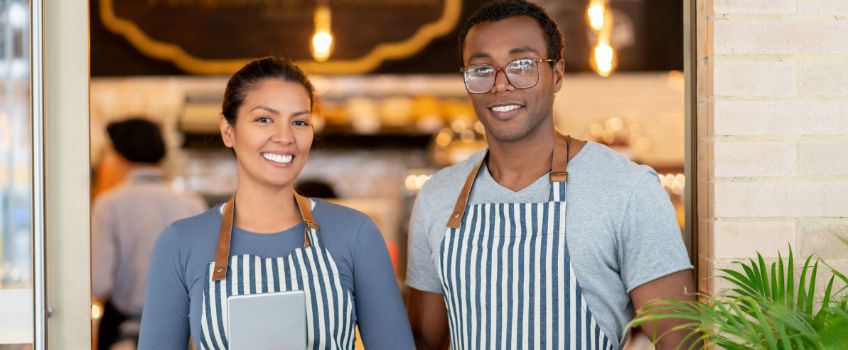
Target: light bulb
(596, 14)
(322, 40)
(603, 59)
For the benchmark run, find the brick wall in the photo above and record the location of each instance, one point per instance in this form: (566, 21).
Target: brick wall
(773, 129)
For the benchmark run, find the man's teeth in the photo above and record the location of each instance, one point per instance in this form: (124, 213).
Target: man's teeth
(278, 158)
(503, 109)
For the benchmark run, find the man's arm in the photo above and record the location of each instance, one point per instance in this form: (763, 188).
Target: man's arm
(429, 319)
(678, 285)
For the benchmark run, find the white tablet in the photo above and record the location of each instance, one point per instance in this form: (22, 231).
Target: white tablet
(272, 321)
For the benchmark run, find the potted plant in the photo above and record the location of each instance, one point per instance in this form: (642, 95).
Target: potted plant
(765, 308)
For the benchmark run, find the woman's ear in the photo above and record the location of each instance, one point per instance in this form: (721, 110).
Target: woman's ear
(227, 132)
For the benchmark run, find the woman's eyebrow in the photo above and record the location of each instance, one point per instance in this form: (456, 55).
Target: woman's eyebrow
(266, 108)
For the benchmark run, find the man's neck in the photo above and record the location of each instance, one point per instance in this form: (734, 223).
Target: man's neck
(516, 165)
(263, 210)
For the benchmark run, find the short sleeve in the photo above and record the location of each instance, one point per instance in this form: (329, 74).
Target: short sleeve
(650, 241)
(421, 269)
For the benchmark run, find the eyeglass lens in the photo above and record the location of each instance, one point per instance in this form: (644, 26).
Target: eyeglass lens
(521, 74)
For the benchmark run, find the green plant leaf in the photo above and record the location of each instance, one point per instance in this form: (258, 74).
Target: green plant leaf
(774, 288)
(764, 275)
(780, 280)
(790, 278)
(812, 291)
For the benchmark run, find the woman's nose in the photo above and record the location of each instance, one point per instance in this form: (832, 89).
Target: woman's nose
(283, 134)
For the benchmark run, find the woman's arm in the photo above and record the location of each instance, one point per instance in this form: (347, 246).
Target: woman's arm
(382, 319)
(164, 321)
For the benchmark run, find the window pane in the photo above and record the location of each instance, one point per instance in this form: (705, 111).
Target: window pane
(16, 325)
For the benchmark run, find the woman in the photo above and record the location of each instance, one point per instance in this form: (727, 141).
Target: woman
(335, 253)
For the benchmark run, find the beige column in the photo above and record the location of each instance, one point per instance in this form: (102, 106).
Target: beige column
(773, 129)
(66, 174)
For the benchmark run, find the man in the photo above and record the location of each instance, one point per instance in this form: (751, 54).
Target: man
(125, 223)
(496, 261)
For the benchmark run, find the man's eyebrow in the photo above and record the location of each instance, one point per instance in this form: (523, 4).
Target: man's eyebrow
(523, 49)
(477, 55)
(266, 108)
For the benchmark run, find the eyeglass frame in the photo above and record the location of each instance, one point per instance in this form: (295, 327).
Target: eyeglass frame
(463, 70)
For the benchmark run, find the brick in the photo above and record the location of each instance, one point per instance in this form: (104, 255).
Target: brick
(744, 239)
(724, 7)
(755, 78)
(780, 36)
(781, 199)
(822, 239)
(755, 159)
(823, 7)
(781, 117)
(823, 78)
(824, 157)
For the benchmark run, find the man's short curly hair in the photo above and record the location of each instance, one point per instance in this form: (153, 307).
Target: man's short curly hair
(502, 9)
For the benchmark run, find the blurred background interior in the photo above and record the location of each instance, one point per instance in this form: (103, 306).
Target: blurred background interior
(391, 105)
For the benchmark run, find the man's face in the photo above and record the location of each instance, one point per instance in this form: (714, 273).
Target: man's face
(511, 114)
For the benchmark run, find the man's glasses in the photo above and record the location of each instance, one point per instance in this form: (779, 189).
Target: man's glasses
(522, 73)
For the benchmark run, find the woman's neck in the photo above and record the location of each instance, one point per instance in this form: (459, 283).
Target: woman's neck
(265, 210)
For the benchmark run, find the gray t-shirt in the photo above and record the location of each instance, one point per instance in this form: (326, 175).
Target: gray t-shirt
(622, 230)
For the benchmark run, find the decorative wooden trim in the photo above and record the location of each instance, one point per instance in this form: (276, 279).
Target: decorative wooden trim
(192, 64)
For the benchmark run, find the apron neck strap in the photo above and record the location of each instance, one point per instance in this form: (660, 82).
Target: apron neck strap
(558, 174)
(225, 232)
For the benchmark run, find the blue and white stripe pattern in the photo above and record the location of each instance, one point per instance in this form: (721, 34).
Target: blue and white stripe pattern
(508, 282)
(330, 311)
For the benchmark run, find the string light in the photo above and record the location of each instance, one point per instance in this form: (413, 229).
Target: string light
(595, 14)
(603, 58)
(322, 40)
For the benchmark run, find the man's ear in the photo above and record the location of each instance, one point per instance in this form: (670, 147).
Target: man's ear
(559, 74)
(227, 132)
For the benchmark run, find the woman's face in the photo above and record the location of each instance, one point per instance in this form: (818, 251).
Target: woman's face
(272, 134)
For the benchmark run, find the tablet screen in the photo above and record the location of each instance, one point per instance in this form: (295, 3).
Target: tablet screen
(272, 321)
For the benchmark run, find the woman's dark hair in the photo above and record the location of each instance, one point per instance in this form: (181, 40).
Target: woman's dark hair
(246, 78)
(137, 140)
(502, 9)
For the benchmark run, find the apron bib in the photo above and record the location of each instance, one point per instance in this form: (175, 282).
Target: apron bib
(330, 317)
(507, 277)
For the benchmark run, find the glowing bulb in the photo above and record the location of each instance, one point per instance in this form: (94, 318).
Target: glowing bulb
(322, 40)
(595, 14)
(321, 44)
(96, 311)
(603, 59)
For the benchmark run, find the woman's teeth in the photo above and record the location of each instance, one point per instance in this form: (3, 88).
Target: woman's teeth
(278, 158)
(507, 108)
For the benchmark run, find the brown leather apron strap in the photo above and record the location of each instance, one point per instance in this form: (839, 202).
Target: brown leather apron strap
(225, 232)
(559, 164)
(459, 208)
(305, 206)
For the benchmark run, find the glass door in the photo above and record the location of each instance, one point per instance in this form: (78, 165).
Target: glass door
(17, 326)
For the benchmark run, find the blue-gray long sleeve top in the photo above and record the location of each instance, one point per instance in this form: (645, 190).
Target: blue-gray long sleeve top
(179, 271)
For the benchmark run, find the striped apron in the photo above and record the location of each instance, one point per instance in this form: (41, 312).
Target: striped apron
(506, 275)
(330, 317)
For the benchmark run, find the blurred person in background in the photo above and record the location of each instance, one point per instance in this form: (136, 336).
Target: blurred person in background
(125, 223)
